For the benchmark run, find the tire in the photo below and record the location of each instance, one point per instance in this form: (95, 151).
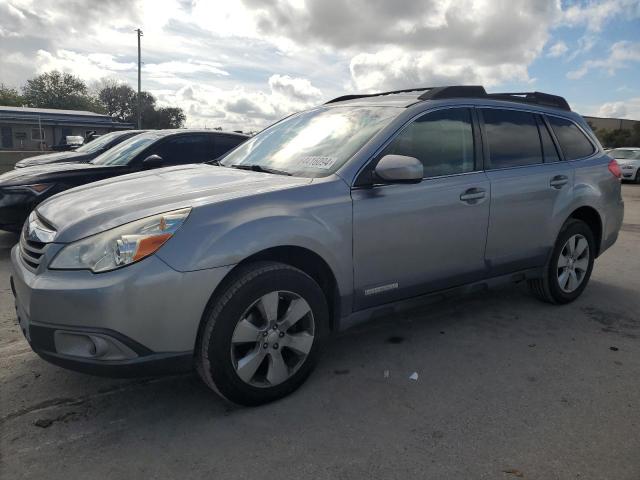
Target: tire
(260, 301)
(558, 283)
(638, 176)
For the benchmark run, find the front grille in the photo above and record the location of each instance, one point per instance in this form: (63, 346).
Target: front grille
(31, 251)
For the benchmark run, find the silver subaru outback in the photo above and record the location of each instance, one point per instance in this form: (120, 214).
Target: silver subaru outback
(369, 203)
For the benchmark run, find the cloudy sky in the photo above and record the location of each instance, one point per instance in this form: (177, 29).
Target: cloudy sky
(245, 63)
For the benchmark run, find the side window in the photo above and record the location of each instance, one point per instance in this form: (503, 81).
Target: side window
(183, 149)
(221, 144)
(573, 142)
(548, 147)
(512, 137)
(442, 141)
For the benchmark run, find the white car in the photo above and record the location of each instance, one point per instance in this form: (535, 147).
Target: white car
(629, 161)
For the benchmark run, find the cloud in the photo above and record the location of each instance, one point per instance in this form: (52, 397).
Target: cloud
(239, 108)
(247, 62)
(594, 15)
(558, 49)
(621, 54)
(299, 89)
(628, 109)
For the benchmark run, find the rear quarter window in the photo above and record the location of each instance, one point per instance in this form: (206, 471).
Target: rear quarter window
(573, 142)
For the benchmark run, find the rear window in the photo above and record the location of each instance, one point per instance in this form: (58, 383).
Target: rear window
(623, 154)
(573, 142)
(512, 137)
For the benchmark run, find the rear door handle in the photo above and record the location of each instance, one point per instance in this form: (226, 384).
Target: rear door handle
(559, 181)
(472, 195)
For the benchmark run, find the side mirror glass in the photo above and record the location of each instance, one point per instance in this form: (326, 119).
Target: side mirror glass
(152, 161)
(399, 169)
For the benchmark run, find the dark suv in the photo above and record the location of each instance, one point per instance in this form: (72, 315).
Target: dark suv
(22, 189)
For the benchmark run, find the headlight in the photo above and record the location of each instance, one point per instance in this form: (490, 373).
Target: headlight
(122, 245)
(36, 188)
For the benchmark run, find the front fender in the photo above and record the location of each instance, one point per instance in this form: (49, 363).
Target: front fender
(316, 216)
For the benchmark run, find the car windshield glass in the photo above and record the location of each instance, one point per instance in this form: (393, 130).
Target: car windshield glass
(314, 143)
(122, 153)
(99, 143)
(624, 154)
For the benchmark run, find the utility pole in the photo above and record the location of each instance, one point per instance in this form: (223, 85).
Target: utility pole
(139, 76)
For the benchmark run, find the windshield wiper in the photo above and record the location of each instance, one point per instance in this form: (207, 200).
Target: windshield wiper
(260, 168)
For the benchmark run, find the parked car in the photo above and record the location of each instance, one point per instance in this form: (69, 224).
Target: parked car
(360, 207)
(22, 189)
(86, 152)
(629, 160)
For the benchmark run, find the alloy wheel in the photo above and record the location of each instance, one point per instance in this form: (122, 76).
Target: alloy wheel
(573, 263)
(272, 339)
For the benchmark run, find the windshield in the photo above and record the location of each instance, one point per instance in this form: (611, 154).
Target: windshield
(314, 143)
(124, 152)
(99, 142)
(625, 154)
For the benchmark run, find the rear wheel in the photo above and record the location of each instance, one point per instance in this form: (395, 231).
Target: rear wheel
(262, 335)
(569, 268)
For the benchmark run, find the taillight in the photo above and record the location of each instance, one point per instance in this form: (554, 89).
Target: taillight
(614, 168)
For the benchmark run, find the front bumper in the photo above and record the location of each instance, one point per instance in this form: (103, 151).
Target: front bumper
(139, 320)
(15, 207)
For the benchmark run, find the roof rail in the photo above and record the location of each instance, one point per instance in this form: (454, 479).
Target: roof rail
(471, 91)
(366, 95)
(538, 98)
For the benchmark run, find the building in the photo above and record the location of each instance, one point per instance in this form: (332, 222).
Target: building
(33, 129)
(600, 123)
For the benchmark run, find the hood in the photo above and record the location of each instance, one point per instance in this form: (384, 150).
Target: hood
(22, 176)
(93, 208)
(51, 158)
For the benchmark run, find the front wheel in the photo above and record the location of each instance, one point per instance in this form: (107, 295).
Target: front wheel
(569, 268)
(262, 334)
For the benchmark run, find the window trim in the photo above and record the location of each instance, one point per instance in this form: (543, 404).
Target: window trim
(478, 164)
(542, 123)
(596, 150)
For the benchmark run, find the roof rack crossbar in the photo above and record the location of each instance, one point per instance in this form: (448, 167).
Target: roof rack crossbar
(538, 98)
(456, 91)
(367, 95)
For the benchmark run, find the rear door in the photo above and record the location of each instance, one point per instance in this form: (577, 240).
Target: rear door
(530, 184)
(410, 239)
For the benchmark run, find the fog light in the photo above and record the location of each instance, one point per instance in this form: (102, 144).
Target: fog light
(91, 345)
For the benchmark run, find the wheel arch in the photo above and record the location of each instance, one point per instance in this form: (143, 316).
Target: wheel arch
(592, 218)
(301, 258)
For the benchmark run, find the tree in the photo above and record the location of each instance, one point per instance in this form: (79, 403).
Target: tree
(118, 101)
(59, 90)
(10, 97)
(121, 101)
(166, 117)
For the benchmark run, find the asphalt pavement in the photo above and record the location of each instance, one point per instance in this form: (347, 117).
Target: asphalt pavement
(495, 385)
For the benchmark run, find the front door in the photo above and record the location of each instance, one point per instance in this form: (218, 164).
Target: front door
(410, 239)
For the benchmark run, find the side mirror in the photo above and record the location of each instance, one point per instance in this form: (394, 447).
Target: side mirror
(152, 161)
(399, 169)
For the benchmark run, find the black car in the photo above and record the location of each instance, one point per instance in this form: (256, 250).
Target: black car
(21, 190)
(86, 152)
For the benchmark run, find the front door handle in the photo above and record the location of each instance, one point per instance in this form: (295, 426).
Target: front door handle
(559, 181)
(473, 195)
